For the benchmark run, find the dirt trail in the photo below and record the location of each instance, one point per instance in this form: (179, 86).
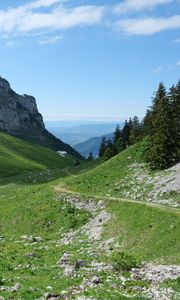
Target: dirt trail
(69, 173)
(64, 190)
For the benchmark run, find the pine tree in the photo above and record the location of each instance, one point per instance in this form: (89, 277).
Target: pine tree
(174, 99)
(110, 150)
(159, 154)
(120, 145)
(102, 147)
(90, 157)
(136, 131)
(146, 123)
(117, 139)
(117, 134)
(126, 132)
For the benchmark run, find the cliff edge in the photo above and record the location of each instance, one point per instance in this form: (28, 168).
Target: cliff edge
(19, 116)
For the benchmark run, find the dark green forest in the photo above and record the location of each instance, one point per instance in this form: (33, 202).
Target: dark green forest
(160, 127)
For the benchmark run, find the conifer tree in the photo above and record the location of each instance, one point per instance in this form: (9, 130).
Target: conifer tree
(110, 150)
(117, 134)
(126, 132)
(102, 147)
(90, 157)
(146, 123)
(160, 140)
(136, 131)
(120, 145)
(174, 99)
(117, 139)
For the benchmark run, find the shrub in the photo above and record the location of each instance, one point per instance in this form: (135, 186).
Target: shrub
(124, 262)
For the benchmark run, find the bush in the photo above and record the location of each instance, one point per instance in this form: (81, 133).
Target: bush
(124, 262)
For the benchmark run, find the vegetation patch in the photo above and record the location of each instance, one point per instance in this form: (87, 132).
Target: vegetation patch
(150, 233)
(124, 262)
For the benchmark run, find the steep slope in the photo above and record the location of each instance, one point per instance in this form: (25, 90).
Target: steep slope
(19, 116)
(22, 159)
(91, 145)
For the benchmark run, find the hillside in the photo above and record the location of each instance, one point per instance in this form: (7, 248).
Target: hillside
(59, 244)
(127, 176)
(19, 116)
(24, 161)
(91, 145)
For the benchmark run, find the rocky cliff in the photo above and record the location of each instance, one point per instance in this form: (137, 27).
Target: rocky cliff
(19, 116)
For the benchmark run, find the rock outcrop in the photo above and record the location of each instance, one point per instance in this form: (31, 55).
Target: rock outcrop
(19, 117)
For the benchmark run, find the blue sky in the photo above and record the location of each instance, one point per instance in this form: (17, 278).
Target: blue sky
(95, 60)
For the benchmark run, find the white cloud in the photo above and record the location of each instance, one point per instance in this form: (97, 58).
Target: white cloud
(138, 5)
(50, 40)
(62, 18)
(42, 3)
(40, 16)
(30, 17)
(147, 26)
(178, 63)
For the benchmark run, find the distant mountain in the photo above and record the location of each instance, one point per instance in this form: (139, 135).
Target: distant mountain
(74, 135)
(19, 117)
(91, 145)
(68, 123)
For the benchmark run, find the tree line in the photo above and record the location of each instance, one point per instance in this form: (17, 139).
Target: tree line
(160, 126)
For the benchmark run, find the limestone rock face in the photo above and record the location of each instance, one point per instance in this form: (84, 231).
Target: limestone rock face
(18, 113)
(19, 116)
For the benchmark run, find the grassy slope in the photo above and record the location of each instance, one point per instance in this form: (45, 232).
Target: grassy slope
(124, 176)
(103, 179)
(33, 211)
(37, 211)
(150, 232)
(20, 159)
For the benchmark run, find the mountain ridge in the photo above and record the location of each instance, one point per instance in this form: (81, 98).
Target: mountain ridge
(91, 145)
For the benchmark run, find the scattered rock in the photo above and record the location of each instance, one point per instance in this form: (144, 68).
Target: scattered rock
(52, 296)
(68, 238)
(157, 273)
(80, 264)
(31, 239)
(96, 280)
(31, 254)
(93, 229)
(64, 260)
(49, 288)
(64, 263)
(99, 267)
(15, 287)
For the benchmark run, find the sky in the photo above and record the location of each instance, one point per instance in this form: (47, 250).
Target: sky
(90, 60)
